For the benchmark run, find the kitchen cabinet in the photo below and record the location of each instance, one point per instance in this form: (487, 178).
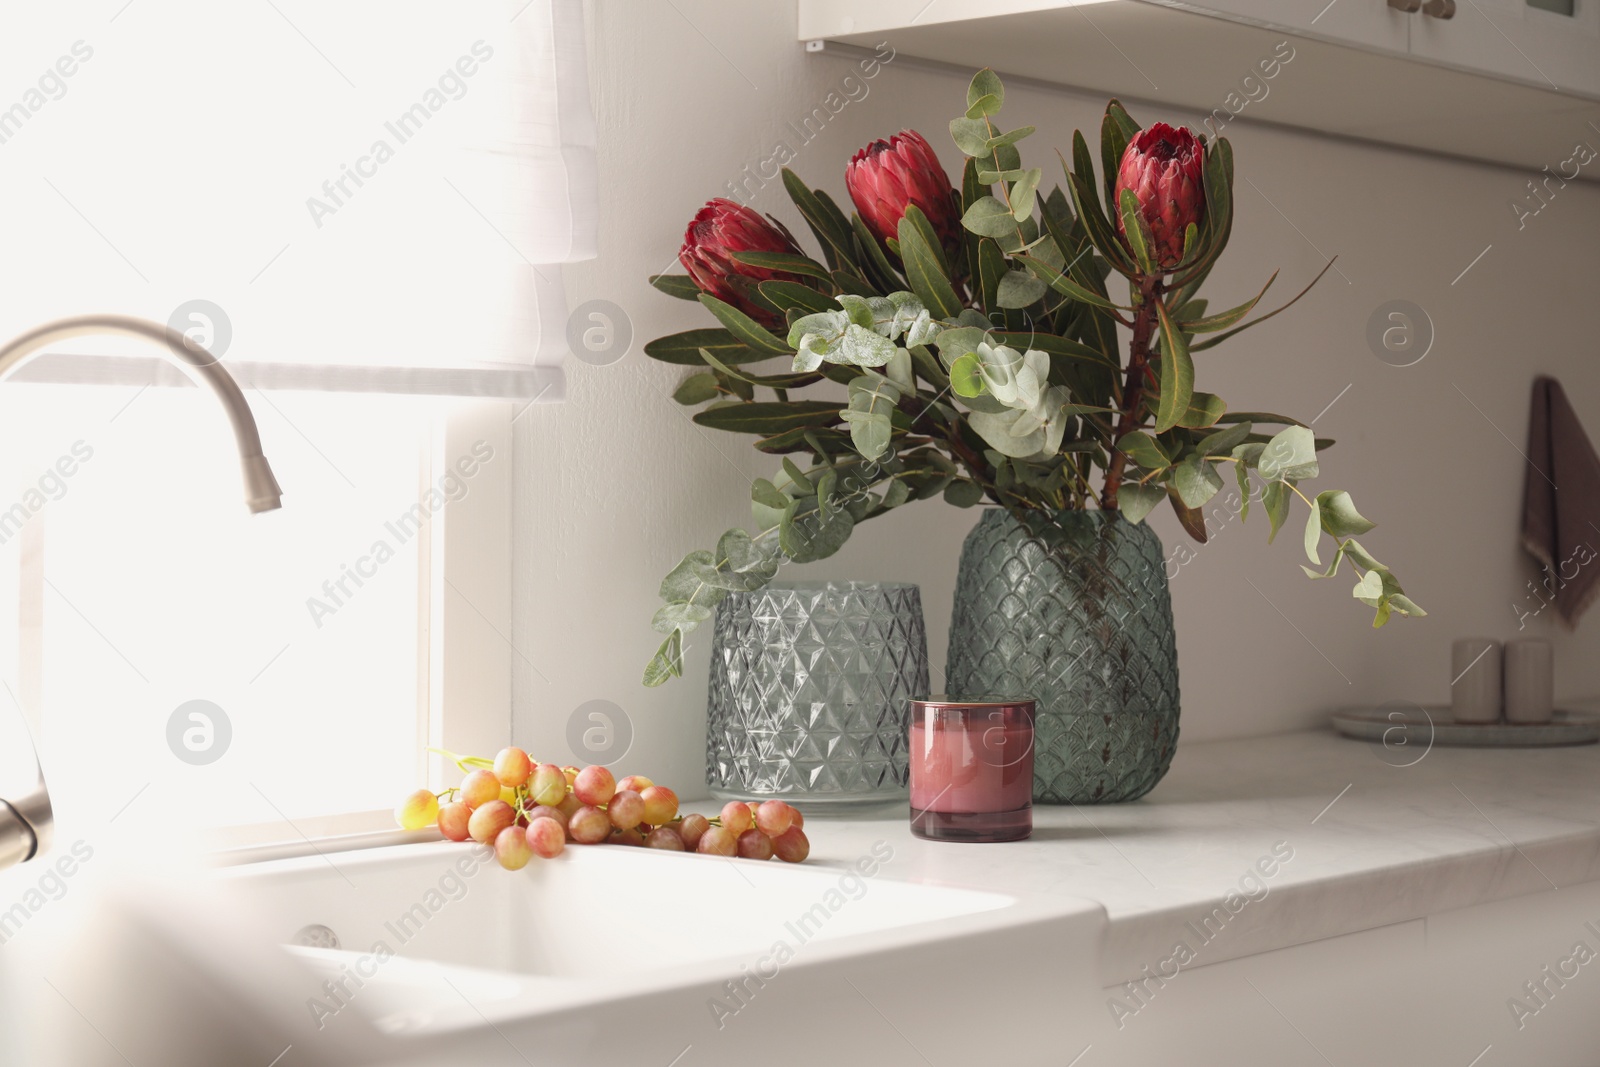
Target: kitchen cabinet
(1508, 81)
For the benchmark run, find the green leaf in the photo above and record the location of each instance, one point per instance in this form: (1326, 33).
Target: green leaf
(1333, 565)
(1313, 533)
(743, 327)
(989, 218)
(1137, 501)
(1019, 289)
(983, 106)
(766, 494)
(991, 268)
(813, 536)
(797, 478)
(680, 616)
(1242, 473)
(985, 85)
(1204, 411)
(1177, 374)
(1260, 416)
(679, 285)
(1369, 589)
(1005, 140)
(1063, 284)
(797, 439)
(696, 389)
(823, 218)
(684, 348)
(965, 377)
(788, 295)
(786, 262)
(1116, 130)
(1055, 346)
(1223, 442)
(971, 136)
(767, 418)
(923, 271)
(877, 261)
(1222, 320)
(1275, 498)
(1136, 231)
(963, 494)
(666, 663)
(1023, 193)
(1196, 481)
(1339, 515)
(1291, 454)
(1143, 450)
(1221, 337)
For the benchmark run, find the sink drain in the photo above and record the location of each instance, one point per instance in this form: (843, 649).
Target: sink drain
(316, 936)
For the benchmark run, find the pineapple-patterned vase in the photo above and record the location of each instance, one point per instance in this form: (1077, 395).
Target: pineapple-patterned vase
(811, 684)
(1073, 611)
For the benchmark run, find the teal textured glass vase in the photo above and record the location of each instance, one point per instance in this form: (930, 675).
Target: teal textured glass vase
(1073, 611)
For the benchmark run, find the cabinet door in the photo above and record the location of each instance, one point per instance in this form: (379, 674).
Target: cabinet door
(1551, 43)
(1370, 23)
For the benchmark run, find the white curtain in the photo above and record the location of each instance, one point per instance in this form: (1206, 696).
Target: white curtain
(383, 184)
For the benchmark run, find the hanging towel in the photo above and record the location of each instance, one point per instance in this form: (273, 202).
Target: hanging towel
(1561, 501)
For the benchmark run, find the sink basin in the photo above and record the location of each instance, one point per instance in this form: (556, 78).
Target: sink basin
(618, 955)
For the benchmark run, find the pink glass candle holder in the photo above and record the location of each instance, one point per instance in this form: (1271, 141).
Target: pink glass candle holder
(972, 768)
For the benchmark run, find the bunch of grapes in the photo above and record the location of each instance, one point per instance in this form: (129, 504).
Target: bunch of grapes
(525, 808)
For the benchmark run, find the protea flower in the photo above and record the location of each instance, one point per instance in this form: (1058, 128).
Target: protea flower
(722, 228)
(1162, 166)
(886, 176)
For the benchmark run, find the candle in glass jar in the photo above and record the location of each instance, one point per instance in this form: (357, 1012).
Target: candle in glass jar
(972, 768)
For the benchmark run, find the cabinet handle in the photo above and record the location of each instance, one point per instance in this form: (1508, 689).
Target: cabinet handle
(1440, 9)
(1410, 7)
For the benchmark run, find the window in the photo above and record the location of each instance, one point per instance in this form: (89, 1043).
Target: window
(362, 208)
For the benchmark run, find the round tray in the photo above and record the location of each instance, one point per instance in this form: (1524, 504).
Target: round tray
(1435, 724)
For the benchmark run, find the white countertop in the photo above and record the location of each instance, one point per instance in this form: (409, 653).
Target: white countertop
(1372, 844)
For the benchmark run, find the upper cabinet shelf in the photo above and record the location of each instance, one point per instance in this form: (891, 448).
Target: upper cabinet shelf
(1510, 81)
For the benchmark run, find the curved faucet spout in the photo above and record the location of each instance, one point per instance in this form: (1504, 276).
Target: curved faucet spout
(26, 817)
(261, 488)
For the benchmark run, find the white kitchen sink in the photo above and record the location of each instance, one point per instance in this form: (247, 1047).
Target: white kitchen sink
(613, 955)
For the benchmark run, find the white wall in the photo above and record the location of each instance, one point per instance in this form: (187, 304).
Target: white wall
(617, 484)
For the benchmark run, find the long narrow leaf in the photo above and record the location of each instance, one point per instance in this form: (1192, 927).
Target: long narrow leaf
(1222, 320)
(784, 261)
(1221, 337)
(743, 326)
(1177, 374)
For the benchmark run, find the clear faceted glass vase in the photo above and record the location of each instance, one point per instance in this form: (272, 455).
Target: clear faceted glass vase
(810, 693)
(1073, 611)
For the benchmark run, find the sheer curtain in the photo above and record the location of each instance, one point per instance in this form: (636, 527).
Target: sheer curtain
(390, 186)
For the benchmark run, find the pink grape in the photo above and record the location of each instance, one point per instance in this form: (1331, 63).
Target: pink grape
(755, 845)
(543, 812)
(512, 766)
(511, 848)
(589, 826)
(594, 785)
(774, 817)
(792, 846)
(571, 774)
(549, 785)
(636, 782)
(487, 821)
(626, 810)
(453, 821)
(718, 841)
(479, 788)
(691, 829)
(664, 837)
(660, 804)
(569, 805)
(418, 811)
(631, 836)
(546, 838)
(736, 817)
(798, 816)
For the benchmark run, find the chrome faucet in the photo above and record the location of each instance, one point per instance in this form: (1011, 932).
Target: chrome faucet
(26, 817)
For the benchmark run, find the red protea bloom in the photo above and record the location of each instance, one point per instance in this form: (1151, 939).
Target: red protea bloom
(886, 176)
(1162, 166)
(722, 228)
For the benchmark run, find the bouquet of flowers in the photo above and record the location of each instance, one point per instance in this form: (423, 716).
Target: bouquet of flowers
(977, 340)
